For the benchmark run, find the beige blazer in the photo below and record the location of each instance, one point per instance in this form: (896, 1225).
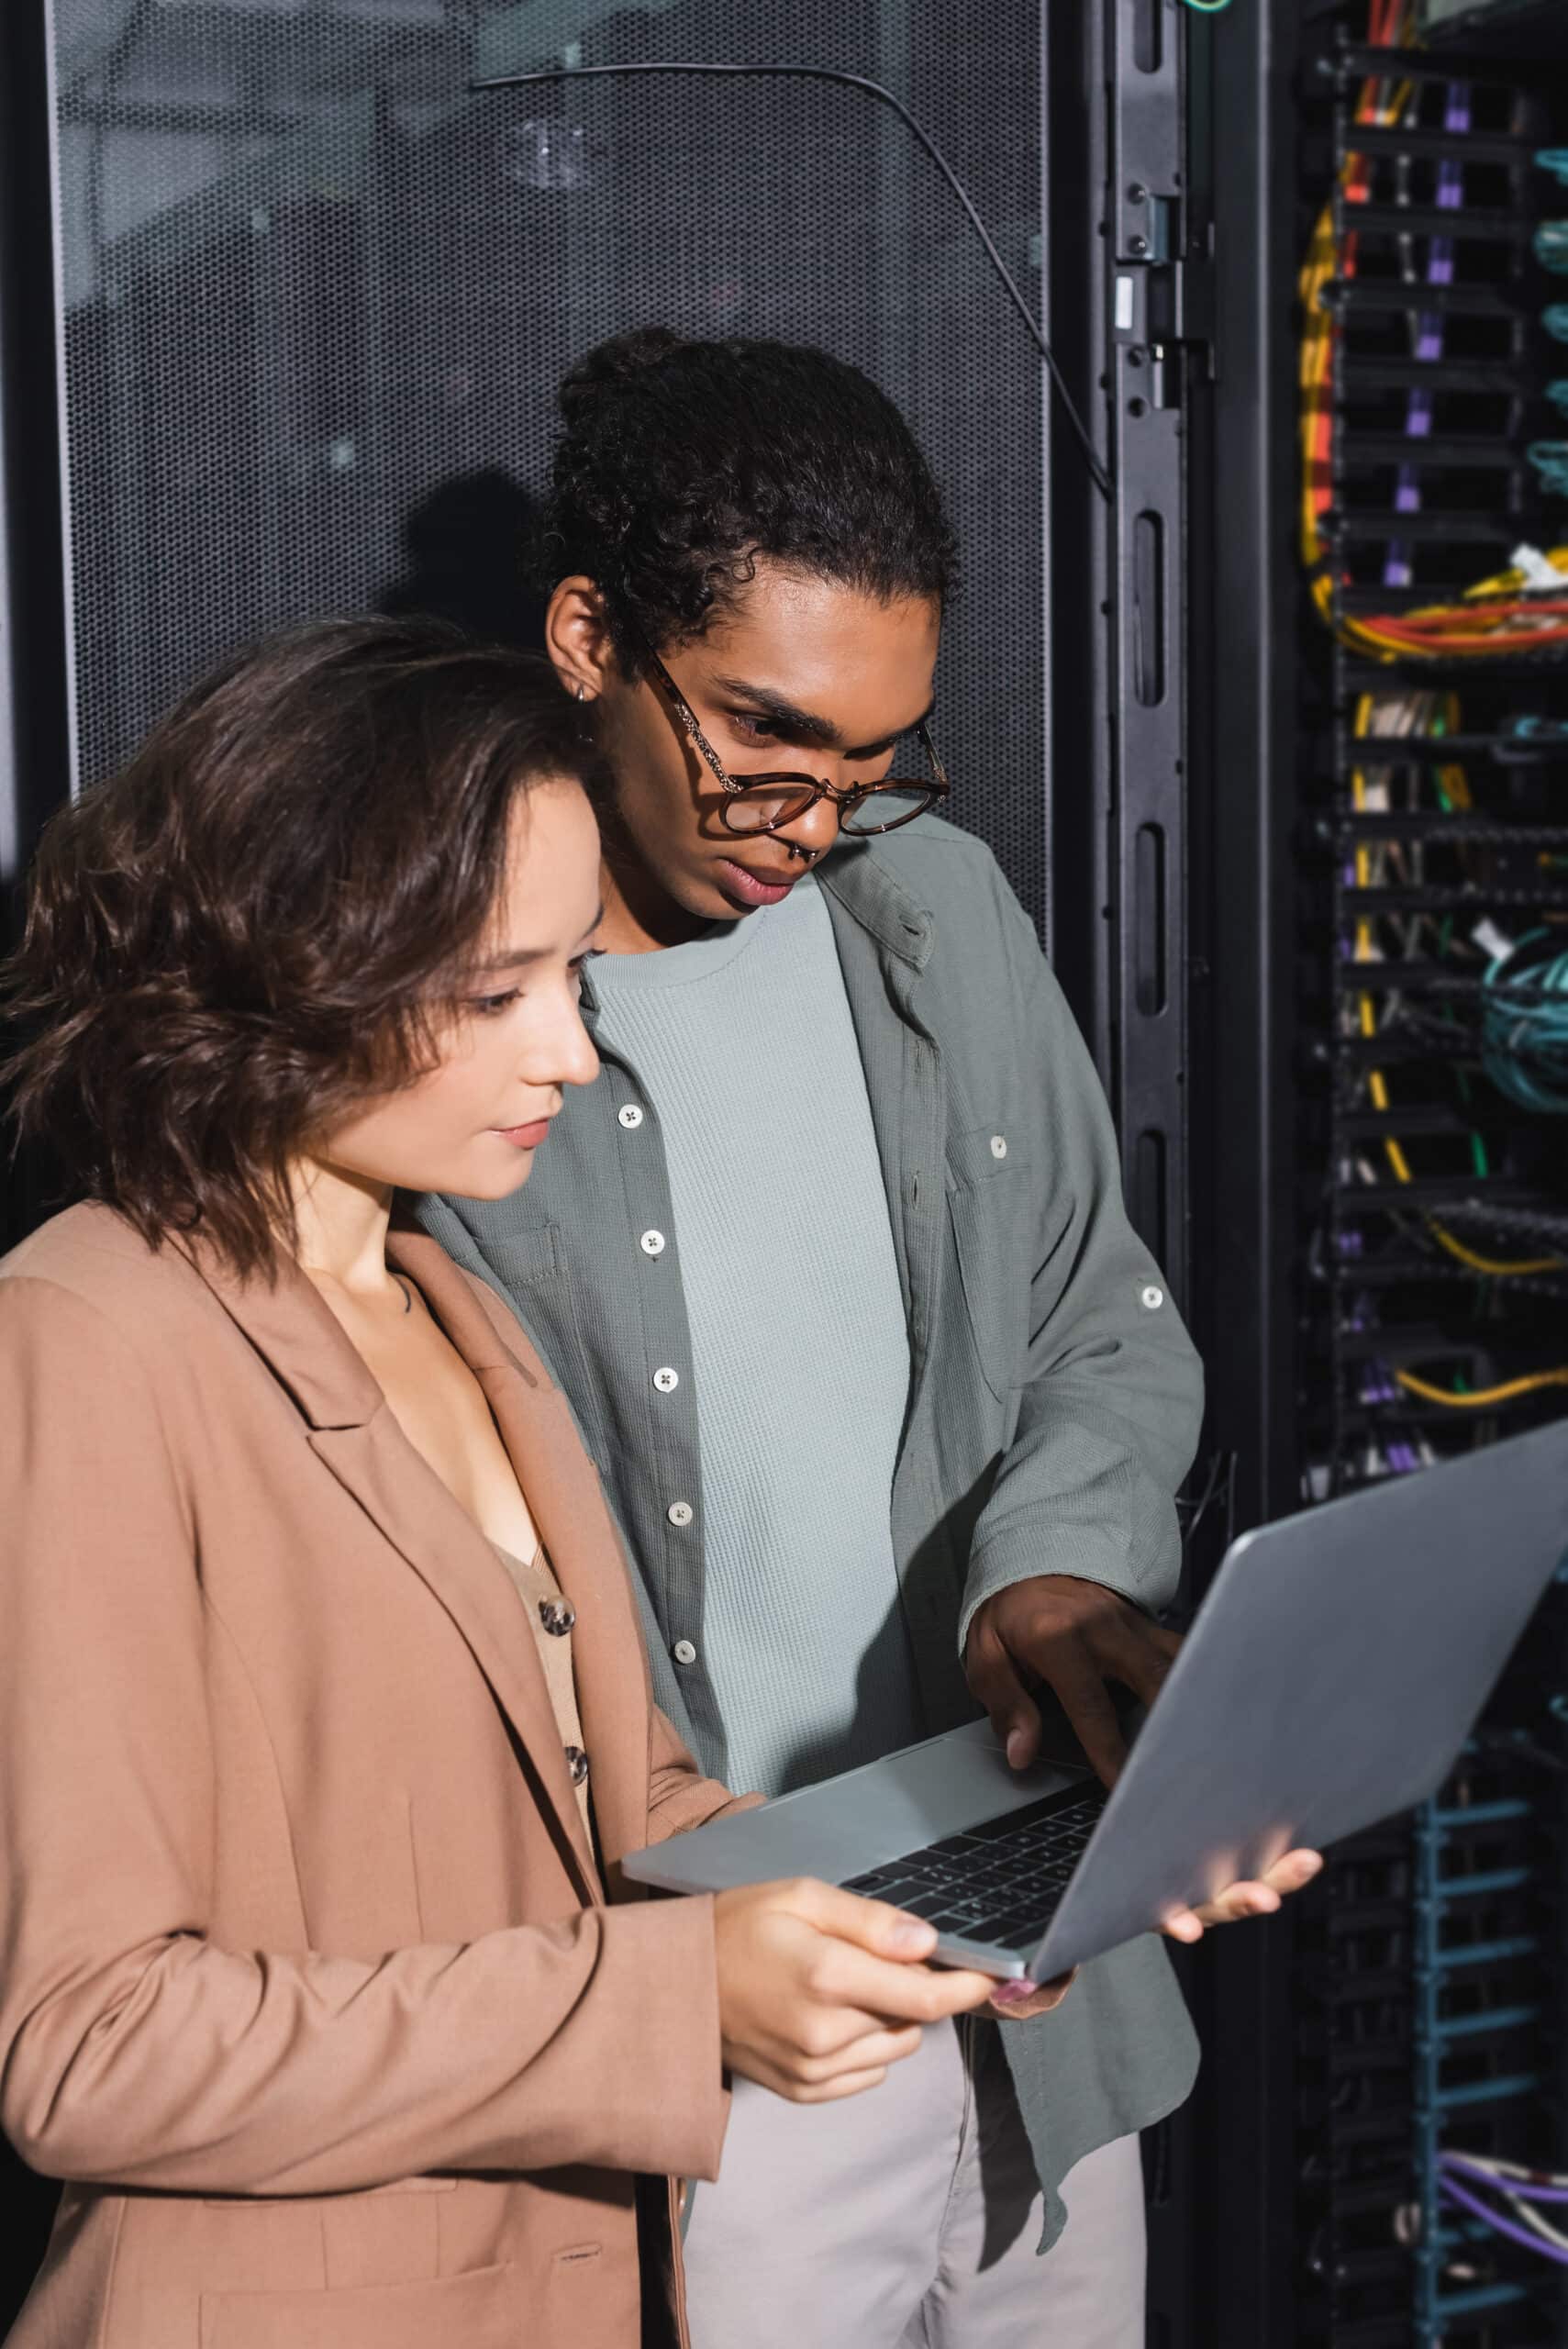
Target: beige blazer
(308, 1987)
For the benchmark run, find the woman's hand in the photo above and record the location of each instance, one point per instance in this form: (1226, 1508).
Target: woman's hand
(1245, 1900)
(820, 1991)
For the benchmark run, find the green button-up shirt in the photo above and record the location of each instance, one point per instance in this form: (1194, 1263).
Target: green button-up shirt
(1054, 1397)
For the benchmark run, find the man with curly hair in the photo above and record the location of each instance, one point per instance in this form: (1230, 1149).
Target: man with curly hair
(890, 1399)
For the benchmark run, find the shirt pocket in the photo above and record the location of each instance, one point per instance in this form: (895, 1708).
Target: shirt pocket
(989, 1199)
(534, 1270)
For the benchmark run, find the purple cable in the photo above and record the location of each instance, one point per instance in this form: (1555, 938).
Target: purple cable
(1526, 2189)
(1499, 2224)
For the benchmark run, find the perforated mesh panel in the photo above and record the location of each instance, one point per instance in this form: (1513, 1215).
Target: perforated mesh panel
(318, 297)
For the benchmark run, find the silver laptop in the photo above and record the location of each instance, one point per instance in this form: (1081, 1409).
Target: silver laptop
(1332, 1675)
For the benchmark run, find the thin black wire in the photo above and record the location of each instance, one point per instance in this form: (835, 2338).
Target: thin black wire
(877, 90)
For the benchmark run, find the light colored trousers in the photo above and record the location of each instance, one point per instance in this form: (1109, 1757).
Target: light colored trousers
(908, 2219)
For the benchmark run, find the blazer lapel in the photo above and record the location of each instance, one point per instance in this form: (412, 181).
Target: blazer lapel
(564, 1495)
(356, 1437)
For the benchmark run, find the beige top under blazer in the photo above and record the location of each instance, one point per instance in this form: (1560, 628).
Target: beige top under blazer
(309, 1986)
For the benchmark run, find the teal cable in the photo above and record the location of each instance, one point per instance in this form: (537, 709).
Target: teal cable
(1524, 1024)
(1549, 459)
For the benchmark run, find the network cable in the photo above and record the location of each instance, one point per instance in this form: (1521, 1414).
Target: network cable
(1549, 459)
(1524, 1023)
(1521, 2191)
(1480, 1398)
(916, 130)
(1550, 244)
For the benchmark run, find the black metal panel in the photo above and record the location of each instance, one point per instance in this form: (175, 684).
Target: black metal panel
(34, 748)
(1149, 354)
(1243, 1006)
(319, 296)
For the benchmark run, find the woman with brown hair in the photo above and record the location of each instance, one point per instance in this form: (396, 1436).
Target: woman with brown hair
(324, 1717)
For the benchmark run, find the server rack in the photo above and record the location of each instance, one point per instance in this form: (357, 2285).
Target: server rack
(1403, 1211)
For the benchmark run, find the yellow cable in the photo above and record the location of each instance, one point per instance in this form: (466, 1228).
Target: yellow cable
(1483, 1396)
(1457, 1248)
(1379, 1092)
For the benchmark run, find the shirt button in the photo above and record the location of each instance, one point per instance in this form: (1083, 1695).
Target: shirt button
(998, 1145)
(577, 1764)
(558, 1616)
(1153, 1297)
(684, 1653)
(652, 1244)
(631, 1116)
(680, 1512)
(666, 1381)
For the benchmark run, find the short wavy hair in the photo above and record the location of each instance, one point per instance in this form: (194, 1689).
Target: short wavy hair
(253, 926)
(683, 462)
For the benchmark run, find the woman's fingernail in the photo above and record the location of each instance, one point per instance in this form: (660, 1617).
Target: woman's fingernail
(1017, 1748)
(1012, 1994)
(910, 1935)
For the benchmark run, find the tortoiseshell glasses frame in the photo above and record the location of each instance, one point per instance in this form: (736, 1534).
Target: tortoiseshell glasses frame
(766, 803)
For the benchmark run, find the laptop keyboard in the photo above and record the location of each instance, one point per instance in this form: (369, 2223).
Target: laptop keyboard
(999, 1883)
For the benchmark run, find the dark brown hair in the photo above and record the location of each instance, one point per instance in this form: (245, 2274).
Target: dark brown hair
(248, 928)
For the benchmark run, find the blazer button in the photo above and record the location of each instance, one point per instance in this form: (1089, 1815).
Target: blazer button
(577, 1763)
(558, 1616)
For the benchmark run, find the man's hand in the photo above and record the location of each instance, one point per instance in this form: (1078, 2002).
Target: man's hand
(1257, 1898)
(1074, 1636)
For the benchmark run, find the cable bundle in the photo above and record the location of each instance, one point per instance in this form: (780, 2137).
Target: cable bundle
(1520, 2191)
(1550, 246)
(1393, 717)
(1524, 1023)
(1506, 613)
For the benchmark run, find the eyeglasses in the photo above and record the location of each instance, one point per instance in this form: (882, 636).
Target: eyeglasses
(765, 803)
